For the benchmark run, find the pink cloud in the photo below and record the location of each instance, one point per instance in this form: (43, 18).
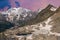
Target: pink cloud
(36, 4)
(33, 4)
(12, 3)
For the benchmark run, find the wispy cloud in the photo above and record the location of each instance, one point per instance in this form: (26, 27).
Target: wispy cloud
(36, 4)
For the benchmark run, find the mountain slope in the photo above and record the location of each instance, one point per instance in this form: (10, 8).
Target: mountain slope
(44, 26)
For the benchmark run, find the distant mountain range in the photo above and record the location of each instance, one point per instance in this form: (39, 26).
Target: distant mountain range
(22, 16)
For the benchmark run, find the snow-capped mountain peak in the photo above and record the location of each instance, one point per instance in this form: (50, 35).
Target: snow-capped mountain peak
(18, 14)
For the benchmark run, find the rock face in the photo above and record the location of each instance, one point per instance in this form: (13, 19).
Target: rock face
(44, 26)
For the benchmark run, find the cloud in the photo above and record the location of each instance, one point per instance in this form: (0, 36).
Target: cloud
(36, 4)
(33, 4)
(17, 4)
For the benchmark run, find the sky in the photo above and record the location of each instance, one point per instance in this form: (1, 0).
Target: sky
(29, 4)
(7, 4)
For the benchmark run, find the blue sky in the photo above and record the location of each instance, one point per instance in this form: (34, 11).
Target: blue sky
(6, 3)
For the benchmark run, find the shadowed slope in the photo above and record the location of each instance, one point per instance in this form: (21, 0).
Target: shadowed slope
(4, 24)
